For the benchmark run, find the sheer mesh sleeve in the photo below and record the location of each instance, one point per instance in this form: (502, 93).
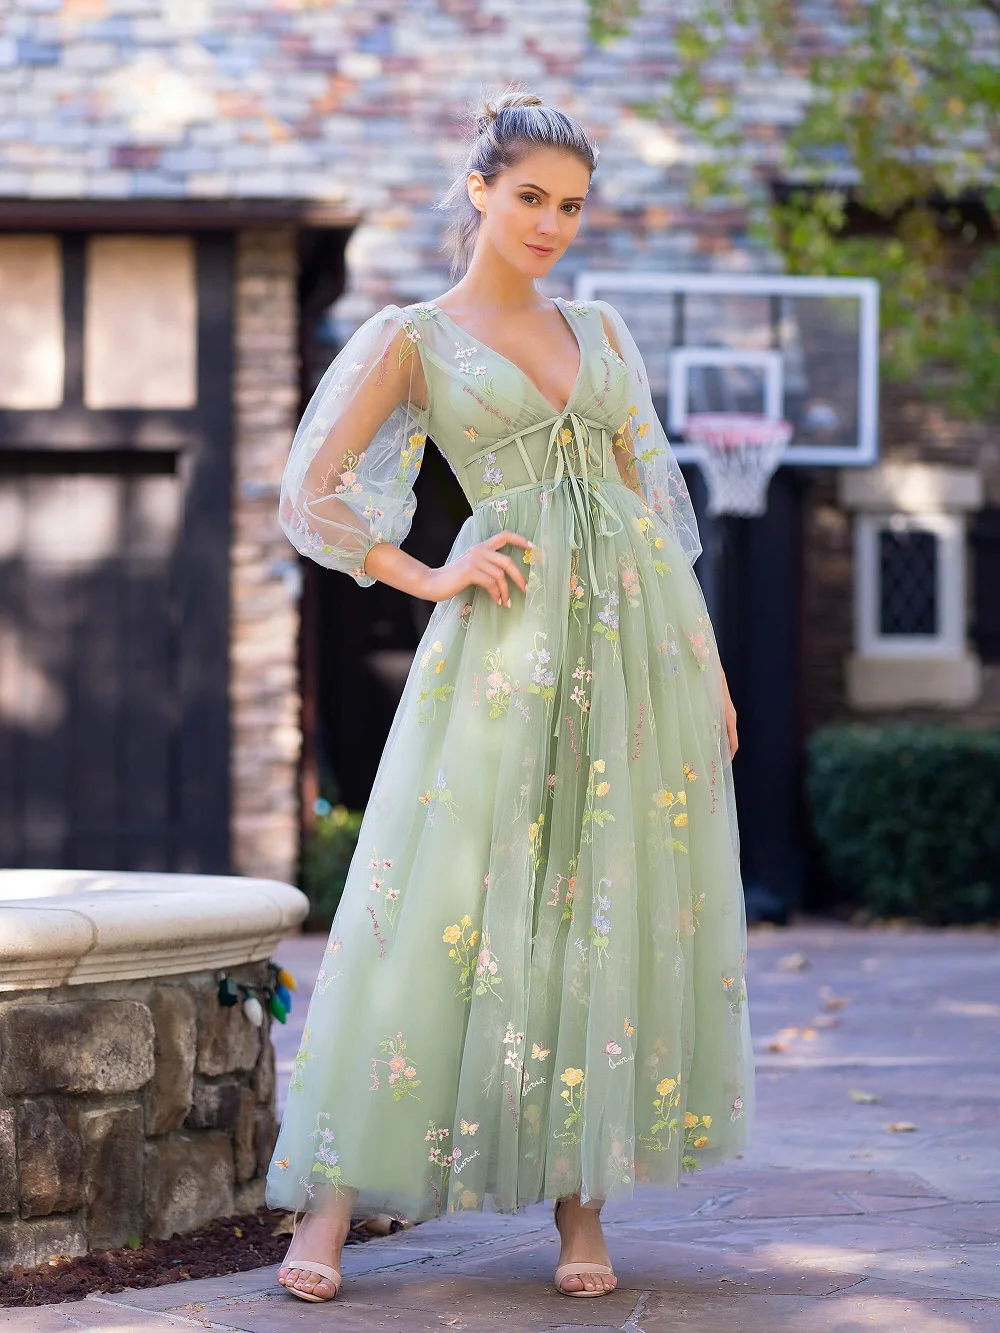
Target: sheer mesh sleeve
(348, 481)
(645, 459)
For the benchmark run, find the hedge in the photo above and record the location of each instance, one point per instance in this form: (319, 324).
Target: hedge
(908, 818)
(326, 859)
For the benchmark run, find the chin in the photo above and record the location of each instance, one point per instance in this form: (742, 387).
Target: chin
(535, 264)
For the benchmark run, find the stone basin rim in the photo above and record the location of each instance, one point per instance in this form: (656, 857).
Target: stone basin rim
(73, 927)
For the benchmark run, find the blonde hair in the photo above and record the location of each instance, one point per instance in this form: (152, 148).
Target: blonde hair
(501, 132)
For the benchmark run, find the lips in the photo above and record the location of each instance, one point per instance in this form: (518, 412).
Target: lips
(541, 250)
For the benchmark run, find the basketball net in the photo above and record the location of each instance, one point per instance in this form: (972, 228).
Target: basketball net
(738, 454)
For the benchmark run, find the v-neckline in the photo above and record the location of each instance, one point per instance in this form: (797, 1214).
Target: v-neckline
(559, 411)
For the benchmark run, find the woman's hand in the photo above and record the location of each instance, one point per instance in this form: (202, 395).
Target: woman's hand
(730, 713)
(483, 564)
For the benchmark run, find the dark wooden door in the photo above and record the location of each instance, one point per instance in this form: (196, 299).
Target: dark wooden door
(114, 538)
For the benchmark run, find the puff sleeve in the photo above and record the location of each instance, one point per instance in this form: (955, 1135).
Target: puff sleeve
(348, 480)
(646, 461)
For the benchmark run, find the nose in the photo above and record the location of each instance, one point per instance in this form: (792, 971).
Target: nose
(548, 225)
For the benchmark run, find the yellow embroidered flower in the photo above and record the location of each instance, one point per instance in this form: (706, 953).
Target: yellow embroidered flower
(680, 820)
(629, 1028)
(526, 557)
(706, 1120)
(658, 543)
(690, 1120)
(451, 935)
(436, 645)
(598, 766)
(643, 430)
(682, 797)
(633, 411)
(603, 788)
(664, 798)
(467, 1199)
(689, 774)
(452, 953)
(466, 920)
(418, 441)
(700, 1142)
(666, 1086)
(440, 666)
(474, 937)
(571, 1077)
(532, 831)
(565, 435)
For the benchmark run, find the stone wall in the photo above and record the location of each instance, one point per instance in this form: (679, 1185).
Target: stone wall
(264, 698)
(136, 1108)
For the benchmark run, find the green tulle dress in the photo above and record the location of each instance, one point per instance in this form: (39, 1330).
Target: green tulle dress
(535, 982)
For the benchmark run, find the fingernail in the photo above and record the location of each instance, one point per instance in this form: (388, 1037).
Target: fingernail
(508, 601)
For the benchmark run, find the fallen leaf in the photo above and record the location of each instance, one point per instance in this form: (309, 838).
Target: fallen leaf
(809, 1034)
(899, 1126)
(856, 1095)
(832, 1001)
(793, 962)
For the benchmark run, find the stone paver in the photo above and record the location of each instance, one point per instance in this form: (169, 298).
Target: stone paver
(830, 1223)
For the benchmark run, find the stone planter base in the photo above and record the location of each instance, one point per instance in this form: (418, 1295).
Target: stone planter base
(134, 1107)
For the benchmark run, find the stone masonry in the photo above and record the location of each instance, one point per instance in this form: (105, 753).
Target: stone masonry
(137, 1108)
(264, 568)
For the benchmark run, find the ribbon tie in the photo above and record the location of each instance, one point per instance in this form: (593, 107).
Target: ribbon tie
(576, 436)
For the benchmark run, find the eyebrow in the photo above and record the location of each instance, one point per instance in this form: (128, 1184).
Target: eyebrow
(575, 199)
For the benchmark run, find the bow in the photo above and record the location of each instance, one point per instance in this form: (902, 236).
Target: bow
(563, 438)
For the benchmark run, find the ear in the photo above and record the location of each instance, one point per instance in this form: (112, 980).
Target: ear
(476, 185)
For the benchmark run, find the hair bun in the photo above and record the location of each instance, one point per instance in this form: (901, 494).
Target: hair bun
(507, 101)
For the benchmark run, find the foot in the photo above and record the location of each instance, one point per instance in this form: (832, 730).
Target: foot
(321, 1237)
(582, 1242)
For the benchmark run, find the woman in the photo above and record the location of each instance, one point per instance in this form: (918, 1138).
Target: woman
(534, 985)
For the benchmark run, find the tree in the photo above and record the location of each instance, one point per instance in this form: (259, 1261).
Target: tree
(892, 171)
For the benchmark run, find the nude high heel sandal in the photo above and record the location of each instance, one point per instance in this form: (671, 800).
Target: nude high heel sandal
(580, 1269)
(311, 1266)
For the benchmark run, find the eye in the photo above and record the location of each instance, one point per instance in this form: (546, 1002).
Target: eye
(574, 207)
(528, 197)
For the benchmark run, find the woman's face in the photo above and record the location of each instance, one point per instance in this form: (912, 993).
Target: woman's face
(531, 211)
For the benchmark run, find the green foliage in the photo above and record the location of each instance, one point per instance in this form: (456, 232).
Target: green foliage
(326, 858)
(906, 818)
(905, 108)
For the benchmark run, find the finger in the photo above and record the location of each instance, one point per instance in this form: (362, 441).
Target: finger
(501, 538)
(490, 579)
(508, 564)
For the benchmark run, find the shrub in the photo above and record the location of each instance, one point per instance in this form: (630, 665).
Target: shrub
(326, 859)
(908, 818)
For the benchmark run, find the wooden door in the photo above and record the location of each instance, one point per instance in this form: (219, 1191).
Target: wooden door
(114, 536)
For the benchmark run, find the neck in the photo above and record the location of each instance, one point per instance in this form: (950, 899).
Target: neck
(491, 283)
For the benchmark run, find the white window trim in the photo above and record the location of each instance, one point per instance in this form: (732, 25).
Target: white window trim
(949, 641)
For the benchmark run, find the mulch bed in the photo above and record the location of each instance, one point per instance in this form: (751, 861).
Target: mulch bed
(227, 1245)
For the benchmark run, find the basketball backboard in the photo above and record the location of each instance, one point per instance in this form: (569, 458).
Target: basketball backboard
(802, 348)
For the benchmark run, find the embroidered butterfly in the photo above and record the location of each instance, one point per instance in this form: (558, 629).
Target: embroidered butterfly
(538, 1052)
(629, 1029)
(468, 1126)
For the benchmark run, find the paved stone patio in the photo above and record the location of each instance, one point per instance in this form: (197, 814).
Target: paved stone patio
(830, 1223)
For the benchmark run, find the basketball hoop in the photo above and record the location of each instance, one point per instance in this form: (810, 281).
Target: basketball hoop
(738, 454)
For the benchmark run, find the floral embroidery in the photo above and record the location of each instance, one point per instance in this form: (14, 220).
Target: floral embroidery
(577, 307)
(609, 351)
(582, 674)
(600, 926)
(325, 979)
(735, 1001)
(699, 642)
(654, 541)
(468, 1126)
(572, 1095)
(737, 1110)
(378, 885)
(539, 1052)
(283, 1163)
(631, 585)
(466, 615)
(607, 619)
(592, 813)
(441, 795)
(487, 969)
(543, 681)
(325, 1158)
(464, 355)
(492, 475)
(410, 339)
(295, 1083)
(498, 682)
(402, 1073)
(577, 590)
(570, 882)
(435, 693)
(471, 433)
(689, 917)
(409, 459)
(463, 951)
(348, 483)
(659, 835)
(536, 833)
(629, 1028)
